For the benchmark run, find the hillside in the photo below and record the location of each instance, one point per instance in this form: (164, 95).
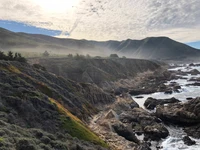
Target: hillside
(161, 48)
(102, 72)
(39, 109)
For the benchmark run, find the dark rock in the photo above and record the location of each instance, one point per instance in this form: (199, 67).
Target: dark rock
(139, 92)
(179, 113)
(120, 91)
(194, 72)
(155, 132)
(168, 92)
(151, 103)
(188, 141)
(193, 131)
(139, 97)
(125, 132)
(144, 122)
(194, 84)
(189, 98)
(144, 146)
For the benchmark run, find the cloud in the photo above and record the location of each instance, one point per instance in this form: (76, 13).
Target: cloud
(110, 19)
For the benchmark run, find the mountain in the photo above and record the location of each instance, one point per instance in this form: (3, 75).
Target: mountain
(162, 48)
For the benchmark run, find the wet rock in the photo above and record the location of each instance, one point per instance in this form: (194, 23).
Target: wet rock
(194, 72)
(151, 103)
(193, 131)
(155, 132)
(194, 84)
(125, 132)
(168, 92)
(194, 65)
(188, 141)
(139, 92)
(195, 79)
(144, 146)
(139, 97)
(189, 98)
(179, 113)
(144, 122)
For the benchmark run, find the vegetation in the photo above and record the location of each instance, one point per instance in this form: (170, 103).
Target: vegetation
(114, 56)
(12, 57)
(45, 54)
(75, 127)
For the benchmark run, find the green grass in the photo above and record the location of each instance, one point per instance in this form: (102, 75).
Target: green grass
(1, 139)
(76, 127)
(78, 130)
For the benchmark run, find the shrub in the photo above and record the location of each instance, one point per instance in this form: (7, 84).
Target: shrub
(114, 56)
(25, 144)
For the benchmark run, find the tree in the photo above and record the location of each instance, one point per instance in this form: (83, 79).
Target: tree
(18, 57)
(2, 56)
(88, 56)
(114, 56)
(10, 55)
(70, 56)
(45, 54)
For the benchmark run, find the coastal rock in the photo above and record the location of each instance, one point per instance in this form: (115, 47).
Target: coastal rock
(168, 92)
(187, 140)
(179, 113)
(193, 131)
(125, 132)
(144, 122)
(151, 103)
(194, 84)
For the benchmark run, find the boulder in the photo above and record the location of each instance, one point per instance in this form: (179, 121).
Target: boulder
(188, 141)
(179, 113)
(193, 131)
(194, 84)
(168, 92)
(194, 72)
(125, 132)
(155, 132)
(151, 103)
(145, 123)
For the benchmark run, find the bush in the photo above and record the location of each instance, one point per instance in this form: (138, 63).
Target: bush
(25, 144)
(12, 57)
(114, 56)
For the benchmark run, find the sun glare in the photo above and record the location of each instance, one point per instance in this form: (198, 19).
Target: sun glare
(56, 5)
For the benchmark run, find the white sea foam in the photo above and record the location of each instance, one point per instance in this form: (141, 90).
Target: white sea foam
(174, 141)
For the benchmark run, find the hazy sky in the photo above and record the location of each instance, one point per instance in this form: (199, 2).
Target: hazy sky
(106, 19)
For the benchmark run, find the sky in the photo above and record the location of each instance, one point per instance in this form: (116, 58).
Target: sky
(105, 19)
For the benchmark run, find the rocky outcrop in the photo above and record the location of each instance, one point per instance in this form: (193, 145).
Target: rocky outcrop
(187, 140)
(125, 132)
(180, 113)
(144, 123)
(151, 103)
(193, 131)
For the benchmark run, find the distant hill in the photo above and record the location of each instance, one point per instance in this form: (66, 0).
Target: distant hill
(162, 48)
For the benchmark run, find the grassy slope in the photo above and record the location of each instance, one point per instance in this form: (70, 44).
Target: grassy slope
(74, 126)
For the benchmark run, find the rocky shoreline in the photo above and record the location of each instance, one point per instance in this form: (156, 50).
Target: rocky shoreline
(125, 125)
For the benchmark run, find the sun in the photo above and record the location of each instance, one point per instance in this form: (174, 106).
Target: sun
(56, 5)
